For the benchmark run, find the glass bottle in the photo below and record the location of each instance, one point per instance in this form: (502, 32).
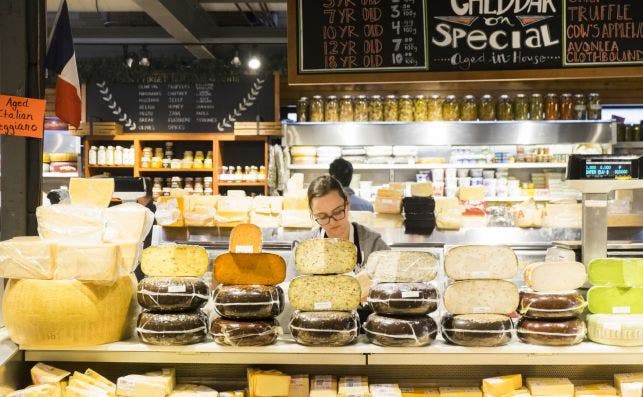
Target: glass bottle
(566, 107)
(580, 107)
(118, 155)
(360, 108)
(302, 109)
(317, 109)
(346, 108)
(375, 108)
(552, 107)
(536, 107)
(391, 111)
(487, 108)
(405, 108)
(109, 155)
(101, 156)
(331, 109)
(93, 155)
(594, 107)
(504, 108)
(469, 110)
(521, 107)
(420, 107)
(451, 108)
(434, 108)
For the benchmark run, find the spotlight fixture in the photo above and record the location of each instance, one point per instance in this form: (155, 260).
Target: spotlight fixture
(145, 57)
(128, 57)
(254, 63)
(236, 61)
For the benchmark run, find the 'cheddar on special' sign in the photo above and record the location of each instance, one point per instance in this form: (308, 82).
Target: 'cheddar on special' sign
(21, 116)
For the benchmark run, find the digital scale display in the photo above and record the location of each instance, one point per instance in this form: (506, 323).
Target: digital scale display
(608, 170)
(605, 167)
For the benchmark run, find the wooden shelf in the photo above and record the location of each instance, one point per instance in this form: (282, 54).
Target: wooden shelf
(435, 166)
(110, 166)
(226, 184)
(175, 170)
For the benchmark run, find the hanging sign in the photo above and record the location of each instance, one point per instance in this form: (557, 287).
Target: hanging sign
(21, 116)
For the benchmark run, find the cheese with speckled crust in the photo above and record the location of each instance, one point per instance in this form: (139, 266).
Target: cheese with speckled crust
(322, 293)
(174, 261)
(325, 256)
(402, 266)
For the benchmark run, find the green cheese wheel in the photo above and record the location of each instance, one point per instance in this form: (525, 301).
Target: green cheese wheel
(614, 300)
(616, 272)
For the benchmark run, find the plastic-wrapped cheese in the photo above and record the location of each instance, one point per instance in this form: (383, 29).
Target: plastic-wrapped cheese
(400, 331)
(555, 276)
(551, 305)
(614, 300)
(477, 330)
(172, 294)
(616, 272)
(385, 205)
(26, 257)
(481, 296)
(325, 256)
(551, 332)
(297, 218)
(71, 223)
(402, 266)
(616, 329)
(422, 189)
(248, 269)
(87, 262)
(189, 390)
(200, 211)
(299, 151)
(245, 333)
(168, 329)
(174, 261)
(321, 293)
(330, 328)
(480, 262)
(403, 299)
(248, 301)
(66, 313)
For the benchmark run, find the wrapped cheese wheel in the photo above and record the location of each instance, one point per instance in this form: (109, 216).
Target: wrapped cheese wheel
(551, 305)
(555, 276)
(331, 328)
(551, 332)
(249, 269)
(172, 328)
(248, 301)
(321, 293)
(172, 294)
(400, 331)
(481, 296)
(403, 299)
(477, 330)
(244, 333)
(616, 329)
(325, 256)
(616, 272)
(480, 262)
(614, 300)
(402, 266)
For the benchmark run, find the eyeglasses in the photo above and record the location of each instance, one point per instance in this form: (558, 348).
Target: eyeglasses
(338, 214)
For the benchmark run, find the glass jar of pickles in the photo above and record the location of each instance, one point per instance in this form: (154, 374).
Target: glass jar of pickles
(360, 108)
(331, 109)
(451, 108)
(580, 108)
(469, 111)
(302, 109)
(487, 108)
(391, 108)
(316, 108)
(434, 108)
(552, 107)
(504, 108)
(420, 108)
(346, 108)
(536, 107)
(376, 108)
(521, 107)
(405, 108)
(594, 107)
(566, 107)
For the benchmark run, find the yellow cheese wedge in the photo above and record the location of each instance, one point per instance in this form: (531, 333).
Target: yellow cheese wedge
(268, 383)
(460, 392)
(42, 373)
(246, 238)
(522, 392)
(500, 385)
(629, 384)
(559, 387)
(96, 192)
(420, 392)
(597, 389)
(100, 378)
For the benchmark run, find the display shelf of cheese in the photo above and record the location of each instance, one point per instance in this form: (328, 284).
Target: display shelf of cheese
(227, 184)
(434, 166)
(110, 166)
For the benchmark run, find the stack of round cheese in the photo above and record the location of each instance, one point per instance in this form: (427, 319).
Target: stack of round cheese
(617, 301)
(402, 298)
(419, 215)
(552, 306)
(172, 295)
(324, 298)
(481, 298)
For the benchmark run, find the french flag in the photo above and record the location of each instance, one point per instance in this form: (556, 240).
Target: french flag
(61, 60)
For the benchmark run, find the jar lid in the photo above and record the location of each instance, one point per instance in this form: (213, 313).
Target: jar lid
(420, 97)
(551, 95)
(521, 95)
(347, 97)
(317, 97)
(391, 97)
(450, 97)
(376, 97)
(405, 97)
(361, 97)
(435, 96)
(593, 94)
(486, 97)
(93, 148)
(469, 97)
(303, 99)
(331, 97)
(504, 97)
(579, 96)
(110, 147)
(566, 95)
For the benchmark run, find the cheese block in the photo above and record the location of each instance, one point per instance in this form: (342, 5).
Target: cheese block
(248, 301)
(168, 329)
(271, 205)
(616, 272)
(172, 294)
(390, 193)
(501, 385)
(353, 386)
(270, 383)
(166, 377)
(298, 203)
(299, 386)
(245, 333)
(71, 223)
(480, 262)
(555, 276)
(522, 392)
(325, 256)
(551, 305)
(616, 329)
(385, 390)
(174, 261)
(265, 221)
(460, 392)
(614, 300)
(189, 390)
(300, 151)
(422, 189)
(139, 385)
(481, 296)
(551, 332)
(248, 269)
(403, 299)
(45, 390)
(400, 331)
(200, 211)
(95, 375)
(66, 313)
(596, 389)
(27, 257)
(386, 205)
(629, 384)
(245, 238)
(127, 222)
(98, 263)
(96, 192)
(330, 328)
(477, 330)
(558, 387)
(43, 373)
(85, 381)
(402, 266)
(323, 386)
(420, 392)
(299, 219)
(383, 221)
(321, 293)
(170, 211)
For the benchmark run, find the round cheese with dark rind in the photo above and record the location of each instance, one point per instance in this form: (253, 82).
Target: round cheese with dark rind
(400, 331)
(332, 328)
(551, 305)
(477, 330)
(244, 333)
(172, 294)
(403, 299)
(172, 328)
(248, 302)
(551, 332)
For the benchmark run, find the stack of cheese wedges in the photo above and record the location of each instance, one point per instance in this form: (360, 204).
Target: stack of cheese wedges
(551, 306)
(402, 298)
(172, 295)
(246, 295)
(616, 301)
(72, 285)
(324, 298)
(480, 299)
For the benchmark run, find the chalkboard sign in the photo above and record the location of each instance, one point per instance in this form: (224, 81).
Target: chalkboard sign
(361, 35)
(606, 32)
(201, 107)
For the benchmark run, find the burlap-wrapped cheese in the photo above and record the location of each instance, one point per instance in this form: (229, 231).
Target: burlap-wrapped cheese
(400, 331)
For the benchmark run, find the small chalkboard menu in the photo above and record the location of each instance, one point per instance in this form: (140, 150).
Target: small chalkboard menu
(183, 107)
(361, 35)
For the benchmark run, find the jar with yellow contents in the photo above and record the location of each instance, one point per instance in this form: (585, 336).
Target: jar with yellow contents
(434, 108)
(504, 108)
(521, 107)
(360, 108)
(536, 107)
(487, 108)
(346, 108)
(391, 108)
(451, 108)
(405, 108)
(302, 109)
(566, 107)
(469, 111)
(331, 109)
(376, 108)
(552, 107)
(420, 108)
(316, 109)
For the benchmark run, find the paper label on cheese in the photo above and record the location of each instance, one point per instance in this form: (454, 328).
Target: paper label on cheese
(621, 310)
(176, 288)
(323, 305)
(410, 294)
(244, 249)
(481, 309)
(480, 274)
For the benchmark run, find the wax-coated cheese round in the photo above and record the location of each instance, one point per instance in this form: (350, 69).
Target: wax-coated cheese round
(248, 302)
(551, 332)
(403, 299)
(331, 328)
(172, 294)
(400, 331)
(477, 330)
(551, 305)
(244, 333)
(172, 328)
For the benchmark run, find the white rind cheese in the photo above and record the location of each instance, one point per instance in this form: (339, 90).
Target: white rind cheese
(616, 329)
(325, 256)
(87, 262)
(174, 261)
(555, 276)
(401, 266)
(323, 293)
(481, 297)
(481, 262)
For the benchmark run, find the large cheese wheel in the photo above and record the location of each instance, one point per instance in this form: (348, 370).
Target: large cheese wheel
(248, 301)
(172, 294)
(555, 276)
(400, 331)
(480, 262)
(616, 272)
(403, 299)
(321, 293)
(477, 330)
(248, 269)
(174, 261)
(616, 329)
(481, 296)
(325, 256)
(551, 305)
(246, 238)
(66, 313)
(551, 332)
(402, 266)
(244, 333)
(324, 328)
(172, 328)
(614, 300)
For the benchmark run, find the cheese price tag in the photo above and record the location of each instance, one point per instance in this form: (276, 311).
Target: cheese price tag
(481, 309)
(323, 305)
(243, 249)
(621, 310)
(410, 294)
(176, 288)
